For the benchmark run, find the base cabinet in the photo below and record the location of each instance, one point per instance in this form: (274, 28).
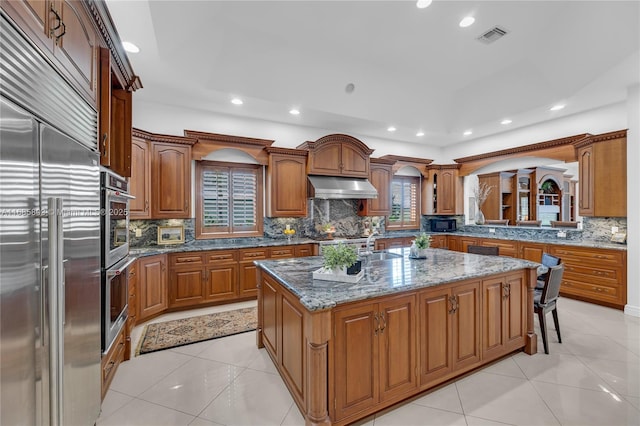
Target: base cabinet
(152, 284)
(375, 354)
(449, 331)
(503, 315)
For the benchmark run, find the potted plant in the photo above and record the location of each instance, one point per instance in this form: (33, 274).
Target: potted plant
(341, 259)
(422, 244)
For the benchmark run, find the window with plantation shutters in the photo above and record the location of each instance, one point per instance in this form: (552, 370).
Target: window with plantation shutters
(229, 200)
(405, 203)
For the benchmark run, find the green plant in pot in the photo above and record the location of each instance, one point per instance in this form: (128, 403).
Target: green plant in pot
(341, 257)
(422, 243)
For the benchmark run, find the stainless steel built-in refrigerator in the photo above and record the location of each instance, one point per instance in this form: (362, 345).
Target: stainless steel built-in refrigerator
(49, 244)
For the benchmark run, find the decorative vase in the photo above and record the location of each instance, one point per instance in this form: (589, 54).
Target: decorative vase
(479, 219)
(422, 252)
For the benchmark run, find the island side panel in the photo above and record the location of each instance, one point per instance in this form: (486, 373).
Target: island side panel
(531, 341)
(297, 341)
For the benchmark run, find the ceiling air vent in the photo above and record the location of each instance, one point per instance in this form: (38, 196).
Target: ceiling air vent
(492, 35)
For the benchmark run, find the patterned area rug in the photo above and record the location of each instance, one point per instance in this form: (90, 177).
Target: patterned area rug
(169, 334)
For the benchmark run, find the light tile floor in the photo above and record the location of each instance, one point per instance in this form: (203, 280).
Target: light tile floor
(592, 378)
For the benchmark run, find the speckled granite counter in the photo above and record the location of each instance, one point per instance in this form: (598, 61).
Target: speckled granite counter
(221, 244)
(525, 234)
(385, 277)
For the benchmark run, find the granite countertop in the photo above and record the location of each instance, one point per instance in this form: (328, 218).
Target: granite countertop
(532, 235)
(385, 277)
(220, 244)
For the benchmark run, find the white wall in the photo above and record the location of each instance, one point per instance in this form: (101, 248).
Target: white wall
(633, 202)
(170, 120)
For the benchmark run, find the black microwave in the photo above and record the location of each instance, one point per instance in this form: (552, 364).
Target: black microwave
(443, 225)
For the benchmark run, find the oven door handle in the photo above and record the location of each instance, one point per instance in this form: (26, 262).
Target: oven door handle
(116, 194)
(120, 268)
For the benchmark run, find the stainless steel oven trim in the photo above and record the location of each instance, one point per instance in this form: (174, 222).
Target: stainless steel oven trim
(112, 330)
(112, 256)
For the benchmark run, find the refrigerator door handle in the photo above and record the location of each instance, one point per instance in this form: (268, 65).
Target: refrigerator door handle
(56, 309)
(44, 287)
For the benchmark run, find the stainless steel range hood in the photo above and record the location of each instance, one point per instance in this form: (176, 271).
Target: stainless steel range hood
(340, 188)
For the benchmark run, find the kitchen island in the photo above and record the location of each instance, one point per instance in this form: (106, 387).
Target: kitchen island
(346, 350)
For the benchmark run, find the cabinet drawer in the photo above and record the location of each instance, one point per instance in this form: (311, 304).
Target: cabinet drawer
(186, 259)
(111, 360)
(254, 254)
(603, 275)
(282, 252)
(595, 291)
(221, 256)
(587, 256)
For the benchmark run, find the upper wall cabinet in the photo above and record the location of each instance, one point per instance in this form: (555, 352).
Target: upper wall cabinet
(286, 183)
(64, 31)
(161, 176)
(338, 155)
(602, 161)
(140, 182)
(380, 176)
(443, 191)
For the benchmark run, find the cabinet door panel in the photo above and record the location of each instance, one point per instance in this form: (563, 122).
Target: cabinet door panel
(397, 346)
(435, 343)
(466, 325)
(33, 17)
(152, 294)
(292, 345)
(532, 251)
(269, 319)
(586, 168)
(354, 163)
(516, 316)
(356, 366)
(186, 287)
(326, 160)
(221, 282)
(247, 281)
(140, 181)
(170, 180)
(76, 48)
(493, 320)
(287, 186)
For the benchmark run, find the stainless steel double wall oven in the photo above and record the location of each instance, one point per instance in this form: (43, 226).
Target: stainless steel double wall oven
(115, 254)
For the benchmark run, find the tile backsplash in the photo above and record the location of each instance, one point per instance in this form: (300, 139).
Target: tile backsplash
(342, 214)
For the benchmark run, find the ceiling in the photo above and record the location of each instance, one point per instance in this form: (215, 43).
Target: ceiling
(414, 69)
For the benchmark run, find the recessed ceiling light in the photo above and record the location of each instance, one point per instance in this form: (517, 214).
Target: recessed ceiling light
(421, 4)
(130, 47)
(556, 107)
(468, 132)
(506, 121)
(391, 129)
(236, 101)
(420, 133)
(294, 111)
(467, 21)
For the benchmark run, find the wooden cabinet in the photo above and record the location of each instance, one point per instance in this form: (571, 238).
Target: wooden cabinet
(503, 315)
(505, 247)
(287, 183)
(391, 243)
(338, 155)
(111, 360)
(187, 278)
(65, 32)
(132, 302)
(170, 181)
(439, 241)
(443, 194)
(531, 251)
(594, 275)
(381, 175)
(465, 242)
(247, 279)
(449, 331)
(152, 286)
(370, 340)
(140, 181)
(500, 204)
(221, 275)
(602, 166)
